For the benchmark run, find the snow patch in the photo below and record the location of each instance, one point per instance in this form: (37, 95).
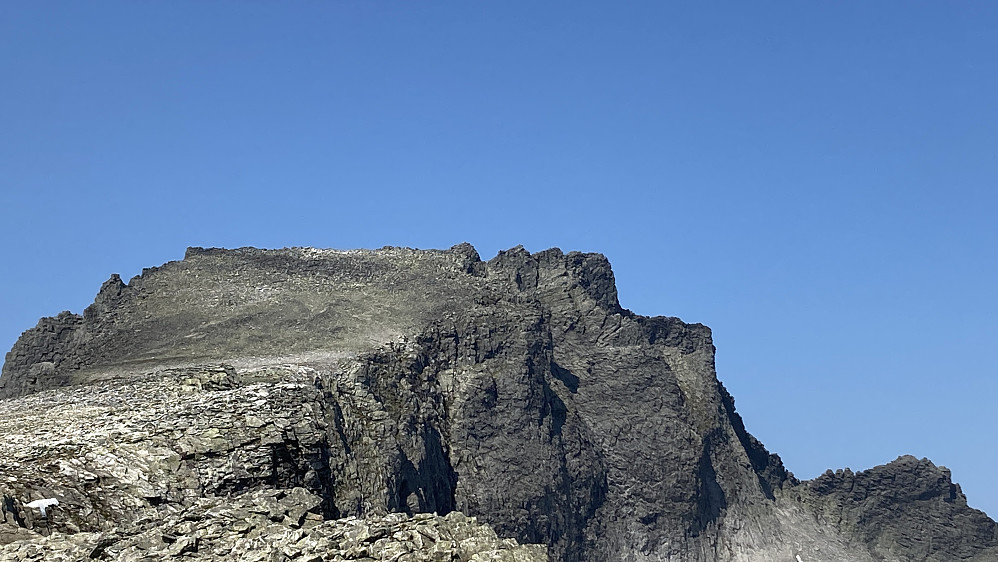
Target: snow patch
(44, 504)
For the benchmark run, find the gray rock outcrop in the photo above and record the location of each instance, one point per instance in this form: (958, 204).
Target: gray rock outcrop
(269, 525)
(516, 390)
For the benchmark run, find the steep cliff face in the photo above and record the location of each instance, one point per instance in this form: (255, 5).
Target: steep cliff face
(516, 390)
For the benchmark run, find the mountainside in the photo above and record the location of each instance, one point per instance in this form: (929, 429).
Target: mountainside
(366, 383)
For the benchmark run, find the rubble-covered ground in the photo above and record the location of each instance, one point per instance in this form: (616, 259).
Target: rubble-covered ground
(205, 464)
(276, 525)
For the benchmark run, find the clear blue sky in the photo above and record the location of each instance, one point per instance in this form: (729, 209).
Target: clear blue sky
(815, 181)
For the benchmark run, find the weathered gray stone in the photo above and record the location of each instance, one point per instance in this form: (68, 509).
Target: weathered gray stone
(288, 404)
(249, 527)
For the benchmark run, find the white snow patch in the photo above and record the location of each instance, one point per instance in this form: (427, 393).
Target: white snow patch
(42, 505)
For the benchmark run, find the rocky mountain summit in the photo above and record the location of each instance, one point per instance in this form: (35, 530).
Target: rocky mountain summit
(305, 404)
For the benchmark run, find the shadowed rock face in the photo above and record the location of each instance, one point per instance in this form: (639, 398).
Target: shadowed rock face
(515, 390)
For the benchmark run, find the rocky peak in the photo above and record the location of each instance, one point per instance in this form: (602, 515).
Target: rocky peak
(591, 272)
(906, 505)
(110, 294)
(407, 382)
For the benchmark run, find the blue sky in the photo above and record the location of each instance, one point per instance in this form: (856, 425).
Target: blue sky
(815, 181)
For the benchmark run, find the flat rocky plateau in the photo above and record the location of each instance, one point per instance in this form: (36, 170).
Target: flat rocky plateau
(404, 405)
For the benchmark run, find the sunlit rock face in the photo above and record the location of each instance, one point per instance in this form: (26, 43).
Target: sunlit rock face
(288, 396)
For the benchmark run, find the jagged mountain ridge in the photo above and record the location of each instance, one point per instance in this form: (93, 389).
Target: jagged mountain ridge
(516, 390)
